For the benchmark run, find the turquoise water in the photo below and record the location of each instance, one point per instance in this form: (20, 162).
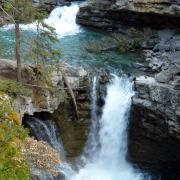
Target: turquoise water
(73, 42)
(74, 50)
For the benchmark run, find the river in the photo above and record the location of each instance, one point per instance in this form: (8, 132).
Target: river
(106, 147)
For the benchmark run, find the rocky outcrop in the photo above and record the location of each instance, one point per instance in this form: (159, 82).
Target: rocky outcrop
(51, 4)
(43, 98)
(108, 14)
(58, 102)
(154, 139)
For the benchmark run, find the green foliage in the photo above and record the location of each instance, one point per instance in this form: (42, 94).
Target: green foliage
(20, 10)
(10, 131)
(14, 88)
(12, 166)
(132, 40)
(43, 51)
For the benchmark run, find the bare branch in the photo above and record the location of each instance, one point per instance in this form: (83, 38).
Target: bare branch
(8, 14)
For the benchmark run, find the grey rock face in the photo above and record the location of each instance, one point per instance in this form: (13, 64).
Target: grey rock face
(154, 128)
(43, 99)
(112, 14)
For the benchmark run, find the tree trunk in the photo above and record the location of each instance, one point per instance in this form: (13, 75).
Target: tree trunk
(72, 95)
(18, 58)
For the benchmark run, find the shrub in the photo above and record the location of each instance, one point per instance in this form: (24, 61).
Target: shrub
(12, 166)
(14, 88)
(6, 110)
(133, 39)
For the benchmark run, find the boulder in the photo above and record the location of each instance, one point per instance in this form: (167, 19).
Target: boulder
(154, 133)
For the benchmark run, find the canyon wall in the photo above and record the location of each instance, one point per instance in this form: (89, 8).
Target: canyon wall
(154, 139)
(112, 14)
(154, 132)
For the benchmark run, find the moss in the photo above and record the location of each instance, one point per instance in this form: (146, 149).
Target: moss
(12, 165)
(6, 110)
(14, 88)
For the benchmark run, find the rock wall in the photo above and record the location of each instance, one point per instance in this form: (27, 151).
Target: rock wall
(74, 133)
(112, 14)
(51, 4)
(154, 139)
(43, 97)
(60, 105)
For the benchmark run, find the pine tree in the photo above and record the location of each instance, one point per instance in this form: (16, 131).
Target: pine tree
(19, 11)
(44, 52)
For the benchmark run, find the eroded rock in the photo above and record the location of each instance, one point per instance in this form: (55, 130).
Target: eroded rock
(108, 14)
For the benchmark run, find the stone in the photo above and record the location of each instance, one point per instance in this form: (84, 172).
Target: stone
(166, 75)
(42, 98)
(175, 57)
(154, 132)
(112, 14)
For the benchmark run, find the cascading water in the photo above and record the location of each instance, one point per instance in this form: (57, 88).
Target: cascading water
(46, 131)
(108, 161)
(63, 19)
(92, 143)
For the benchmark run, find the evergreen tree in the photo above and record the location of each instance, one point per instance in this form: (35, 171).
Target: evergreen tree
(43, 49)
(19, 11)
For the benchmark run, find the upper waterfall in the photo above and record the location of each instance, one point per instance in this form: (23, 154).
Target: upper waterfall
(63, 19)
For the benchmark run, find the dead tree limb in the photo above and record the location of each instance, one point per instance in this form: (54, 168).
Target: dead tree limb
(71, 94)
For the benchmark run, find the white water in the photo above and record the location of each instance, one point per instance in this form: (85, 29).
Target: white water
(46, 131)
(63, 19)
(106, 148)
(108, 162)
(92, 142)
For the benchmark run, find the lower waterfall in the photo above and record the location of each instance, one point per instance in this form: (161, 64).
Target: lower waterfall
(104, 156)
(108, 160)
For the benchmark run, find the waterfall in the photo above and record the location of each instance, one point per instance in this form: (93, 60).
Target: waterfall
(108, 162)
(92, 142)
(104, 156)
(46, 131)
(63, 19)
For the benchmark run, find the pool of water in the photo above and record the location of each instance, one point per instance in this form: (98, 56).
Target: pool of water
(73, 42)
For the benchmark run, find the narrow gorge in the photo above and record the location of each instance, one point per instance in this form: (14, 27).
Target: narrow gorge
(110, 108)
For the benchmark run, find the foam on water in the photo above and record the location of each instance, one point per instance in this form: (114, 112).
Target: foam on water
(63, 19)
(109, 162)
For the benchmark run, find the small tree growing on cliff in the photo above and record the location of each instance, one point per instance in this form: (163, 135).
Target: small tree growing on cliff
(45, 54)
(19, 11)
(43, 51)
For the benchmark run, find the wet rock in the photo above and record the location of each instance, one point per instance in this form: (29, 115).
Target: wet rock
(103, 77)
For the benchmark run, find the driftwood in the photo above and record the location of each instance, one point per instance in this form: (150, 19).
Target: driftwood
(71, 94)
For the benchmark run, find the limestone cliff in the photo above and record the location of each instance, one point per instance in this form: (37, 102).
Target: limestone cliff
(154, 139)
(112, 14)
(53, 98)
